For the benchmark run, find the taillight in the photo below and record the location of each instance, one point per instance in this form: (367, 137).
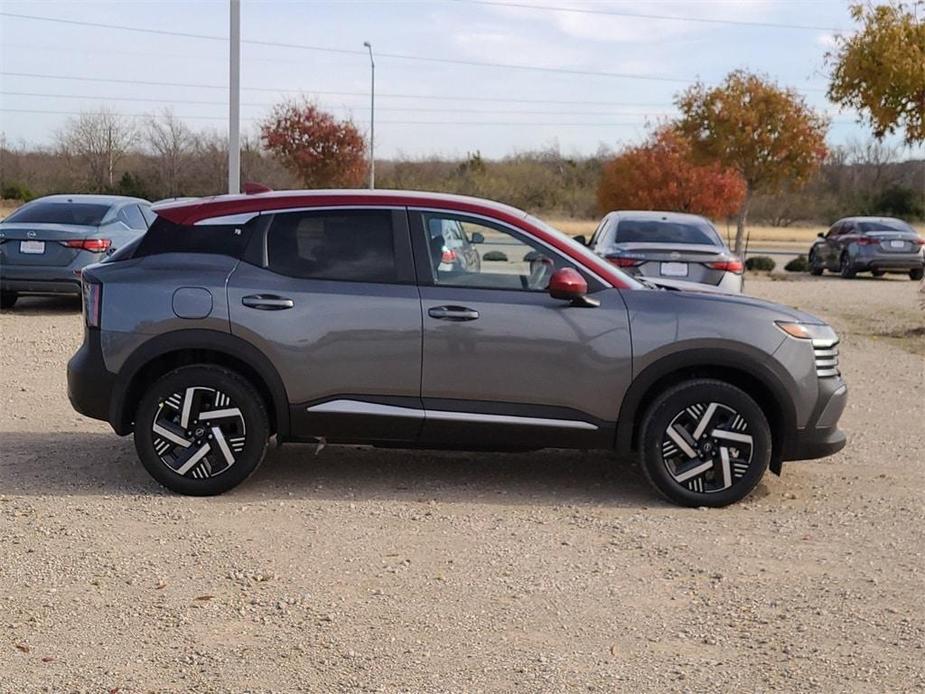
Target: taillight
(92, 303)
(448, 256)
(867, 241)
(624, 261)
(92, 245)
(734, 265)
(918, 241)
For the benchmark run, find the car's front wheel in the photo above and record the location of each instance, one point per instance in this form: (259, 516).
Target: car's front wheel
(201, 430)
(815, 263)
(704, 442)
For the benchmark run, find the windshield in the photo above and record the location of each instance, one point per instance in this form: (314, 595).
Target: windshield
(590, 259)
(657, 231)
(80, 213)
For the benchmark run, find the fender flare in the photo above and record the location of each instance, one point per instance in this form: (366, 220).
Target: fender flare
(224, 343)
(753, 363)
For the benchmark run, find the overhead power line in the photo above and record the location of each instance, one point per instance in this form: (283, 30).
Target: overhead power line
(416, 109)
(393, 56)
(659, 17)
(457, 98)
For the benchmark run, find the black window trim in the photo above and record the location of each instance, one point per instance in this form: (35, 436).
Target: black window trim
(401, 240)
(422, 254)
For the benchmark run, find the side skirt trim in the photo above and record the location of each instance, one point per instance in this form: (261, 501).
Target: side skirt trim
(375, 409)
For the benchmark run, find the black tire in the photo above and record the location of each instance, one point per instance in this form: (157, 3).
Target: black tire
(917, 274)
(8, 299)
(733, 473)
(242, 437)
(815, 268)
(845, 268)
(877, 273)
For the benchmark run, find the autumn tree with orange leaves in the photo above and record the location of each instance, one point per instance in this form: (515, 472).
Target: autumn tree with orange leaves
(764, 132)
(320, 150)
(662, 175)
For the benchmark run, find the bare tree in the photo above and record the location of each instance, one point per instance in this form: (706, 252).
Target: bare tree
(97, 141)
(171, 142)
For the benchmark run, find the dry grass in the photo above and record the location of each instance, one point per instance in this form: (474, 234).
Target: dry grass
(758, 234)
(7, 206)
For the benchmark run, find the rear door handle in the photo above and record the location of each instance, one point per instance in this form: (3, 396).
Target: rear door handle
(267, 302)
(453, 313)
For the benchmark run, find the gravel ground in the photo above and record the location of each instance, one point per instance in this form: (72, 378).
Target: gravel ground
(360, 570)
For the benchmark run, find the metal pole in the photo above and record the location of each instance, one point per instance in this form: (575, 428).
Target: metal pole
(234, 99)
(372, 117)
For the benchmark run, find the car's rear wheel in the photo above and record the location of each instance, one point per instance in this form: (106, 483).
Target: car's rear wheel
(201, 430)
(704, 442)
(8, 299)
(845, 268)
(917, 274)
(815, 264)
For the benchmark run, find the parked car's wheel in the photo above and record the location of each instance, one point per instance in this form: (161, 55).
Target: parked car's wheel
(845, 268)
(815, 264)
(917, 274)
(201, 430)
(8, 299)
(704, 443)
(877, 273)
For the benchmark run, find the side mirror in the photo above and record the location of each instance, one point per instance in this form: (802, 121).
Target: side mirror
(820, 235)
(476, 237)
(582, 239)
(568, 284)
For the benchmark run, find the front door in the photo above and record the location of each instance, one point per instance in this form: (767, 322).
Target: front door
(330, 299)
(505, 364)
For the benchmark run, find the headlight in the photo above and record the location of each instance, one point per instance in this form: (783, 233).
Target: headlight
(824, 341)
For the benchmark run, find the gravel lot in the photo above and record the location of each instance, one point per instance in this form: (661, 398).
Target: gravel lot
(360, 570)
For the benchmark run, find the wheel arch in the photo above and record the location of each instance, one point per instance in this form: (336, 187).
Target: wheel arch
(184, 347)
(748, 372)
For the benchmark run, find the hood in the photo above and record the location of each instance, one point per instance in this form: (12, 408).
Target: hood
(708, 292)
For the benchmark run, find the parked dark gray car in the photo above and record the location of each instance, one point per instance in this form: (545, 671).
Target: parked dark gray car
(324, 316)
(869, 244)
(47, 242)
(668, 245)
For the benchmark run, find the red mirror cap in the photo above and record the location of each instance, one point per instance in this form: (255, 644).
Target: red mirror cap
(567, 283)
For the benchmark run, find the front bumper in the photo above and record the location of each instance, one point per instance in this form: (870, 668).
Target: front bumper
(821, 436)
(89, 384)
(40, 279)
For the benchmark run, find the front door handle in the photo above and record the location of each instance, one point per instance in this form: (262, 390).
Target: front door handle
(453, 313)
(267, 302)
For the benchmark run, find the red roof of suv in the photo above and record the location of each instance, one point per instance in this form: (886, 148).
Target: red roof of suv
(192, 211)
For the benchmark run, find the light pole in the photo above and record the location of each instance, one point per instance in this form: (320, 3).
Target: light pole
(234, 99)
(372, 117)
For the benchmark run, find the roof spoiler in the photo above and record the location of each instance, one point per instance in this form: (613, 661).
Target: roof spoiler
(253, 188)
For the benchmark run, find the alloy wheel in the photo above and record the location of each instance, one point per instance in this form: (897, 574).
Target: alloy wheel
(198, 432)
(707, 447)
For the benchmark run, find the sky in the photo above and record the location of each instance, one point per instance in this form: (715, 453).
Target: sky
(576, 80)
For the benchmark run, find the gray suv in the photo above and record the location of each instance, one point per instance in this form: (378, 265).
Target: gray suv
(324, 316)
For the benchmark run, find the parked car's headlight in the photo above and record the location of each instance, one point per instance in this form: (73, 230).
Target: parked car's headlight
(808, 331)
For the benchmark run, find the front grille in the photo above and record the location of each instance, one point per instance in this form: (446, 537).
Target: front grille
(826, 353)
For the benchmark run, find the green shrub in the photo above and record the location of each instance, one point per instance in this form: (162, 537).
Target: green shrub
(762, 263)
(496, 256)
(17, 191)
(798, 264)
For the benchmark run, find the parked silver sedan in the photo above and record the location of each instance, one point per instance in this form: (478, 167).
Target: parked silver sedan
(47, 242)
(667, 246)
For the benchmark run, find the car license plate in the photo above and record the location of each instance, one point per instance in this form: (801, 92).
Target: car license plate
(32, 247)
(674, 269)
(897, 244)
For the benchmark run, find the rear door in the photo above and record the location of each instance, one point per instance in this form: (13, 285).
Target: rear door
(504, 363)
(329, 296)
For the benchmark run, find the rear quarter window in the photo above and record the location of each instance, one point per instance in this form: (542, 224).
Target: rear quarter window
(165, 236)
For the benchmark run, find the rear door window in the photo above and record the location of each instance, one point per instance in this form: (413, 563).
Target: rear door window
(346, 245)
